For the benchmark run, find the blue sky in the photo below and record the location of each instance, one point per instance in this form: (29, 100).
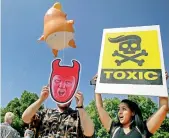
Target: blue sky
(25, 63)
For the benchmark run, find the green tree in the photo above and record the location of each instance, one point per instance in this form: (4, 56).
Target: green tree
(148, 107)
(18, 106)
(108, 104)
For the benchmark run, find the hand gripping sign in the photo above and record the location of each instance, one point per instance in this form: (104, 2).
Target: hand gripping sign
(131, 62)
(64, 81)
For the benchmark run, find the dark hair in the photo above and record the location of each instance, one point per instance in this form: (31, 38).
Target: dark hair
(137, 119)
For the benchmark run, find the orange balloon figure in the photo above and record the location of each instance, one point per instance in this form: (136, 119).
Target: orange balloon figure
(58, 31)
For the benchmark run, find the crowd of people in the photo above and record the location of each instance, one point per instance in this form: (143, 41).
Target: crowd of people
(65, 122)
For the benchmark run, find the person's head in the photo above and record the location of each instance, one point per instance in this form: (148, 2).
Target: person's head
(130, 113)
(9, 116)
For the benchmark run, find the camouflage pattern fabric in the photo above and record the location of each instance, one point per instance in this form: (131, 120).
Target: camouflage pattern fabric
(8, 132)
(29, 133)
(50, 123)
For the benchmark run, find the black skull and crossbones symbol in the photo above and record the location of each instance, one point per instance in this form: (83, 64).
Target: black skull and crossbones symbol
(129, 44)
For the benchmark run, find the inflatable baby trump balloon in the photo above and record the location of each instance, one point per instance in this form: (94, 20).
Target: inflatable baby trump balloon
(64, 81)
(58, 31)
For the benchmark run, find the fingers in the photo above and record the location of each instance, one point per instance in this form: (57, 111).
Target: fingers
(79, 98)
(95, 77)
(166, 75)
(46, 87)
(44, 93)
(79, 93)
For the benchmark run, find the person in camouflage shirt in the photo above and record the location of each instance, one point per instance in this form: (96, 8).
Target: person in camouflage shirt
(6, 130)
(63, 122)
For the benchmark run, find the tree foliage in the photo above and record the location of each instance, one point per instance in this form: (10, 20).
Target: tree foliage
(147, 106)
(18, 106)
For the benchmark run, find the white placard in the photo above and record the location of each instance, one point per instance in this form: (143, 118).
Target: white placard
(131, 62)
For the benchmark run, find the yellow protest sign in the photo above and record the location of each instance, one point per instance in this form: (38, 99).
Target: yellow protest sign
(132, 57)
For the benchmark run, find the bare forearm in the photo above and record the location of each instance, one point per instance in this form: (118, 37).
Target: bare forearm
(104, 116)
(31, 110)
(99, 102)
(154, 122)
(163, 102)
(99, 105)
(86, 123)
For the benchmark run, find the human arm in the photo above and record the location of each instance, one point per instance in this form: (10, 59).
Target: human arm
(155, 121)
(104, 116)
(33, 108)
(85, 120)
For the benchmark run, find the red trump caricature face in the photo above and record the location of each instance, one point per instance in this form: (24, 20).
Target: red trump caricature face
(64, 81)
(62, 86)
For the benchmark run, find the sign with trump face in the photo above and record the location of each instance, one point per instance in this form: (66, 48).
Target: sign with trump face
(64, 81)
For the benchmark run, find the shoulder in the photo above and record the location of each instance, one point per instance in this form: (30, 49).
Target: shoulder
(8, 130)
(4, 124)
(15, 132)
(114, 128)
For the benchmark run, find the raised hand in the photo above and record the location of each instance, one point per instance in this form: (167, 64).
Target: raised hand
(79, 99)
(44, 93)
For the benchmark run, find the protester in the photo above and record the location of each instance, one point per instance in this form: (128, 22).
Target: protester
(61, 122)
(130, 121)
(6, 129)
